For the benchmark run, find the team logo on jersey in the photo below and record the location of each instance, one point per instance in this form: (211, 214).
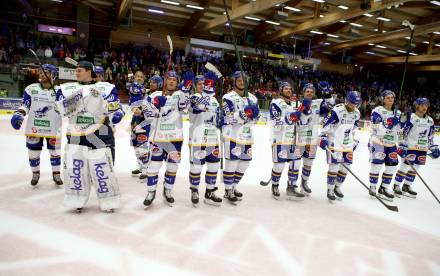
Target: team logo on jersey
(41, 112)
(236, 151)
(174, 155)
(95, 93)
(156, 149)
(393, 155)
(142, 138)
(282, 154)
(349, 156)
(34, 130)
(411, 157)
(422, 159)
(379, 155)
(249, 152)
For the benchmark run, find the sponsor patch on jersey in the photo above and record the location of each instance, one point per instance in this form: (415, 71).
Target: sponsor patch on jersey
(156, 149)
(249, 152)
(200, 154)
(379, 155)
(422, 159)
(411, 157)
(32, 140)
(393, 155)
(236, 151)
(41, 123)
(349, 156)
(85, 120)
(142, 138)
(174, 155)
(282, 154)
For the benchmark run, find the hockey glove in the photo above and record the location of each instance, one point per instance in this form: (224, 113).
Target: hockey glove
(294, 117)
(209, 84)
(117, 116)
(188, 78)
(251, 111)
(323, 143)
(435, 151)
(305, 106)
(159, 101)
(402, 150)
(17, 119)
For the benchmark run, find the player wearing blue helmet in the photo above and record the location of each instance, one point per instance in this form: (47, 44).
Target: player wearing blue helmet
(338, 137)
(44, 123)
(418, 139)
(99, 71)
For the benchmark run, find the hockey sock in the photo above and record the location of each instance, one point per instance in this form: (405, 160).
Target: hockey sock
(170, 175)
(277, 170)
(211, 174)
(34, 160)
(293, 171)
(194, 175)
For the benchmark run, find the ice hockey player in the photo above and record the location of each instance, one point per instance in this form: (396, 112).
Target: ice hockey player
(44, 123)
(164, 111)
(418, 138)
(310, 115)
(338, 137)
(240, 114)
(89, 154)
(283, 117)
(385, 127)
(140, 129)
(203, 141)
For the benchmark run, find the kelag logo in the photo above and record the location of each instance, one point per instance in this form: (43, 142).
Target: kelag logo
(77, 166)
(100, 174)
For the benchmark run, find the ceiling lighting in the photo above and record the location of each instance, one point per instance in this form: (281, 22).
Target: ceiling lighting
(381, 46)
(383, 19)
(195, 7)
(368, 15)
(292, 9)
(343, 7)
(356, 24)
(326, 43)
(155, 11)
(437, 45)
(58, 1)
(343, 21)
(435, 2)
(316, 32)
(371, 44)
(426, 42)
(170, 2)
(413, 54)
(401, 51)
(332, 35)
(383, 31)
(319, 1)
(370, 53)
(252, 18)
(321, 15)
(272, 22)
(437, 33)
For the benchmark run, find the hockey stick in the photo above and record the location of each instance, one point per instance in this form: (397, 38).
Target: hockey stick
(42, 69)
(235, 47)
(71, 61)
(219, 75)
(389, 207)
(423, 181)
(265, 183)
(150, 155)
(411, 27)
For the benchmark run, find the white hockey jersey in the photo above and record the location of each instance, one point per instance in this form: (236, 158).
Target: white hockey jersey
(282, 130)
(203, 110)
(380, 134)
(418, 132)
(309, 125)
(87, 105)
(169, 118)
(237, 127)
(340, 126)
(39, 104)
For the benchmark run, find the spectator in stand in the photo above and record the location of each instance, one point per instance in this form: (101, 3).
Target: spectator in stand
(48, 52)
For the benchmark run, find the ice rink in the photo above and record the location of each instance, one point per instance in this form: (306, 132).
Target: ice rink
(261, 236)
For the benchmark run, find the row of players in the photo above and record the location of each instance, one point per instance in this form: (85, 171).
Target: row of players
(93, 108)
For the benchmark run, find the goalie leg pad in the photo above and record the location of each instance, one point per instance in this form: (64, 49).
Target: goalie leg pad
(76, 176)
(104, 179)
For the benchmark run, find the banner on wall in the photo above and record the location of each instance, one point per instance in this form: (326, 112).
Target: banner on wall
(65, 73)
(9, 105)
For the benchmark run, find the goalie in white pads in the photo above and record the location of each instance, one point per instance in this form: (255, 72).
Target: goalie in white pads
(44, 123)
(338, 137)
(203, 141)
(164, 112)
(89, 155)
(385, 127)
(418, 138)
(240, 115)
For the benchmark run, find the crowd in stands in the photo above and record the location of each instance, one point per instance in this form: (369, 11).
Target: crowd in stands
(122, 61)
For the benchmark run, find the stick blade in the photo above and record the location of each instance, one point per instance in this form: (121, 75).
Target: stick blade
(170, 42)
(214, 69)
(392, 208)
(71, 61)
(32, 51)
(263, 183)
